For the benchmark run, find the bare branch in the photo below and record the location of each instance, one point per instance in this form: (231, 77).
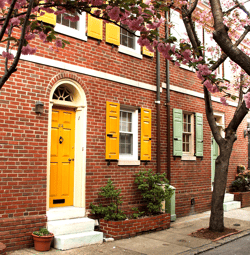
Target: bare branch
(192, 7)
(243, 8)
(7, 19)
(210, 116)
(240, 91)
(12, 69)
(221, 37)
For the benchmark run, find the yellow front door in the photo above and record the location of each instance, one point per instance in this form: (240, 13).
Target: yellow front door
(62, 158)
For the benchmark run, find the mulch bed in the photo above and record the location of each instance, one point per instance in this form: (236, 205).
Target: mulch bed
(206, 233)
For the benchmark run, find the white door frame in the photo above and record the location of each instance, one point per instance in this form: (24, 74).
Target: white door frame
(80, 105)
(221, 125)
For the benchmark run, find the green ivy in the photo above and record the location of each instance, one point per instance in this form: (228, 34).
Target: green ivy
(152, 193)
(111, 211)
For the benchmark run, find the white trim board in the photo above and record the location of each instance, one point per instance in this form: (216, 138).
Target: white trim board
(83, 70)
(195, 94)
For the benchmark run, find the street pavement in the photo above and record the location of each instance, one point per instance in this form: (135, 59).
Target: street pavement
(240, 246)
(175, 240)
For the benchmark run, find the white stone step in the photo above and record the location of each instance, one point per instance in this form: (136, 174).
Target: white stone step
(68, 212)
(231, 206)
(72, 226)
(228, 197)
(65, 242)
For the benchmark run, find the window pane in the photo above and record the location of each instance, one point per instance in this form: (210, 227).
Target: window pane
(124, 126)
(126, 143)
(122, 148)
(127, 39)
(129, 116)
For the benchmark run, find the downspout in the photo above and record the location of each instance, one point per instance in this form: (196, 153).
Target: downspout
(168, 108)
(158, 109)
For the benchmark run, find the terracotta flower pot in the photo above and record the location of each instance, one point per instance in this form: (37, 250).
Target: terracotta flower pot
(42, 243)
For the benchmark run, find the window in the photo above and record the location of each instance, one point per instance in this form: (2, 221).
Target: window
(127, 39)
(187, 134)
(73, 29)
(128, 132)
(122, 134)
(128, 43)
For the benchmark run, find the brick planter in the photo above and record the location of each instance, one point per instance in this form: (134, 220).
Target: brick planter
(2, 249)
(129, 228)
(243, 197)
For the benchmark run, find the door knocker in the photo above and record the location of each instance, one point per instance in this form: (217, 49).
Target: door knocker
(61, 140)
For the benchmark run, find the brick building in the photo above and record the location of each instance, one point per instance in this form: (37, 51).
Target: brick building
(100, 122)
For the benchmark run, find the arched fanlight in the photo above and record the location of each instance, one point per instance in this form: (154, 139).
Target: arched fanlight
(62, 93)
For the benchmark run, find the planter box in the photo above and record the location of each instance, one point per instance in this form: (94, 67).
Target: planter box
(129, 228)
(2, 249)
(243, 197)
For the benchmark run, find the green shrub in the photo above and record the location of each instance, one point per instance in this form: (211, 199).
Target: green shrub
(111, 211)
(152, 193)
(137, 213)
(42, 232)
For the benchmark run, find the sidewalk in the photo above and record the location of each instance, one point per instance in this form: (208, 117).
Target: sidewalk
(171, 241)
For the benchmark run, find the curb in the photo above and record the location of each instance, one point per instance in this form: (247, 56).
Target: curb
(216, 243)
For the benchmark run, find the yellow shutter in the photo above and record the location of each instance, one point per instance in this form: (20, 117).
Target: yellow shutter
(145, 134)
(145, 51)
(112, 130)
(49, 18)
(94, 27)
(112, 34)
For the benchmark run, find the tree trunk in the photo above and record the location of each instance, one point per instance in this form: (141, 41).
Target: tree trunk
(220, 182)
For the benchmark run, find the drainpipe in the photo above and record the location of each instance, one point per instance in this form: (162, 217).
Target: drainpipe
(168, 109)
(158, 109)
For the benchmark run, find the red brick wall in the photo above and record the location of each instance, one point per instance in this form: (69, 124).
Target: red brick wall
(16, 233)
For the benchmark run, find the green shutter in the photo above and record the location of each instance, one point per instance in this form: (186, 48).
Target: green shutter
(177, 122)
(199, 134)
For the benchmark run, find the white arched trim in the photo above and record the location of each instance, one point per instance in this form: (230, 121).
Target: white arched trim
(79, 103)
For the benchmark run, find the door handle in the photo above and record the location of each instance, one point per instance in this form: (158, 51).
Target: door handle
(61, 140)
(70, 159)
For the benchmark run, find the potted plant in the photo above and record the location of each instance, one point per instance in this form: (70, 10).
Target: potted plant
(42, 239)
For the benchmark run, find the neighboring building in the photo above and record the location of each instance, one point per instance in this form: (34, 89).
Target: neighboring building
(99, 123)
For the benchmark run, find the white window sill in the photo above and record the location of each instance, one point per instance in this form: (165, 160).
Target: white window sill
(188, 157)
(191, 69)
(128, 162)
(70, 32)
(129, 51)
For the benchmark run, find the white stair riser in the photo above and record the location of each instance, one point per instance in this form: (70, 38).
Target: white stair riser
(65, 242)
(65, 213)
(231, 206)
(72, 226)
(228, 198)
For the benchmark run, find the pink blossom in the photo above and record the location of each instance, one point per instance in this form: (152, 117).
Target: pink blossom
(58, 43)
(7, 55)
(247, 99)
(224, 101)
(42, 36)
(114, 13)
(2, 4)
(29, 37)
(208, 84)
(27, 50)
(15, 21)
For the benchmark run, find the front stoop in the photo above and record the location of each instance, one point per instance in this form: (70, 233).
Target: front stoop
(70, 231)
(65, 242)
(229, 203)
